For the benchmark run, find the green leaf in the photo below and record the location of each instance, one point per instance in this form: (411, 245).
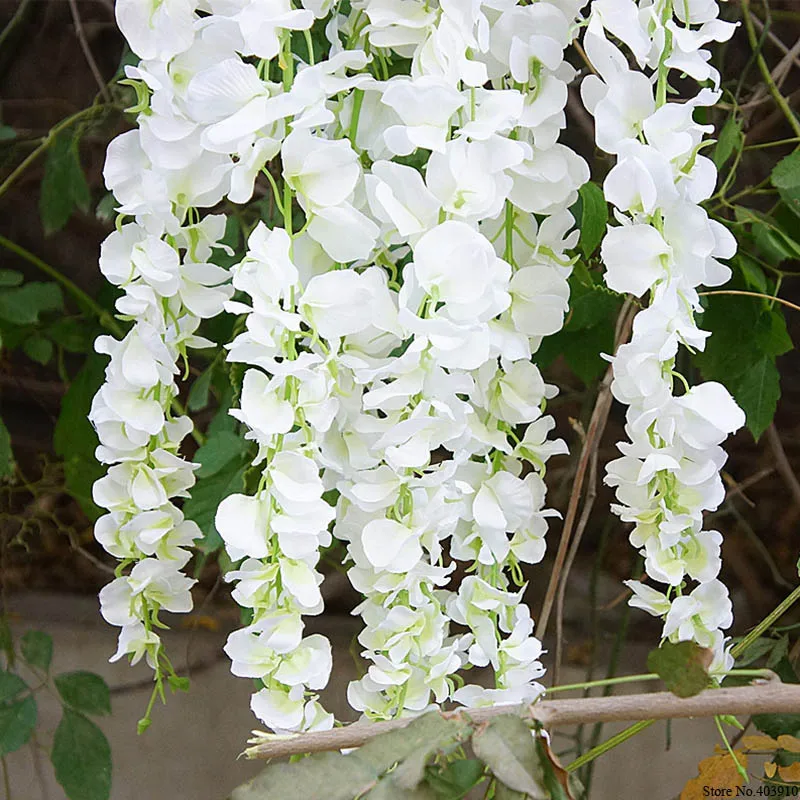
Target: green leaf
(506, 746)
(74, 439)
(17, 717)
(747, 337)
(10, 278)
(502, 792)
(779, 652)
(64, 185)
(776, 725)
(456, 779)
(7, 133)
(786, 179)
(38, 349)
(594, 217)
(17, 722)
(771, 335)
(10, 686)
(81, 758)
(198, 394)
(429, 730)
(333, 776)
(73, 335)
(559, 784)
(37, 649)
(580, 349)
(590, 302)
(758, 649)
(730, 141)
(24, 304)
(323, 776)
(6, 453)
(757, 393)
(207, 494)
(106, 209)
(752, 272)
(218, 451)
(84, 691)
(683, 666)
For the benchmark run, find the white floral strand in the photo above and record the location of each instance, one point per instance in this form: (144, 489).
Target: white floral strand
(159, 176)
(665, 246)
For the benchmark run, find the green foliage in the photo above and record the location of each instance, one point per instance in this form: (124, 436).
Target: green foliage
(37, 649)
(731, 140)
(786, 179)
(749, 335)
(224, 459)
(38, 348)
(589, 328)
(456, 779)
(17, 712)
(6, 453)
(200, 391)
(683, 666)
(64, 186)
(426, 760)
(81, 758)
(23, 305)
(593, 217)
(777, 724)
(506, 746)
(75, 440)
(84, 691)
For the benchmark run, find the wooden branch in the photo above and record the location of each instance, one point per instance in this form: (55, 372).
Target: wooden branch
(782, 463)
(597, 425)
(765, 697)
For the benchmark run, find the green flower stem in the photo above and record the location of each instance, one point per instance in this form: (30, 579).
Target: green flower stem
(85, 301)
(81, 297)
(765, 623)
(609, 744)
(649, 676)
(779, 99)
(637, 727)
(566, 687)
(46, 142)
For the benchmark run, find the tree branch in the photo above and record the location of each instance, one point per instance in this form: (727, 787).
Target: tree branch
(762, 698)
(594, 432)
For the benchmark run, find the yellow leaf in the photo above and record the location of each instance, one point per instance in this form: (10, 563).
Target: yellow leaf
(716, 772)
(769, 769)
(790, 743)
(790, 774)
(759, 743)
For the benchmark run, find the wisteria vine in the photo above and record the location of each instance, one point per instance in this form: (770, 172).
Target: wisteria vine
(388, 325)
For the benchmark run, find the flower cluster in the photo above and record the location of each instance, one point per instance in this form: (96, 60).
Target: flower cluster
(388, 336)
(160, 256)
(665, 246)
(411, 254)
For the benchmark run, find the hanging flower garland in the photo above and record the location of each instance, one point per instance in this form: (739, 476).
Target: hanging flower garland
(389, 317)
(664, 247)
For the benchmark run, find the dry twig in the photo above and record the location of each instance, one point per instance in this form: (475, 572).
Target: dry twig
(782, 462)
(594, 432)
(87, 51)
(762, 698)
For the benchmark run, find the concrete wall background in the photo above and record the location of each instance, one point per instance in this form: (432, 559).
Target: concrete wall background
(190, 751)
